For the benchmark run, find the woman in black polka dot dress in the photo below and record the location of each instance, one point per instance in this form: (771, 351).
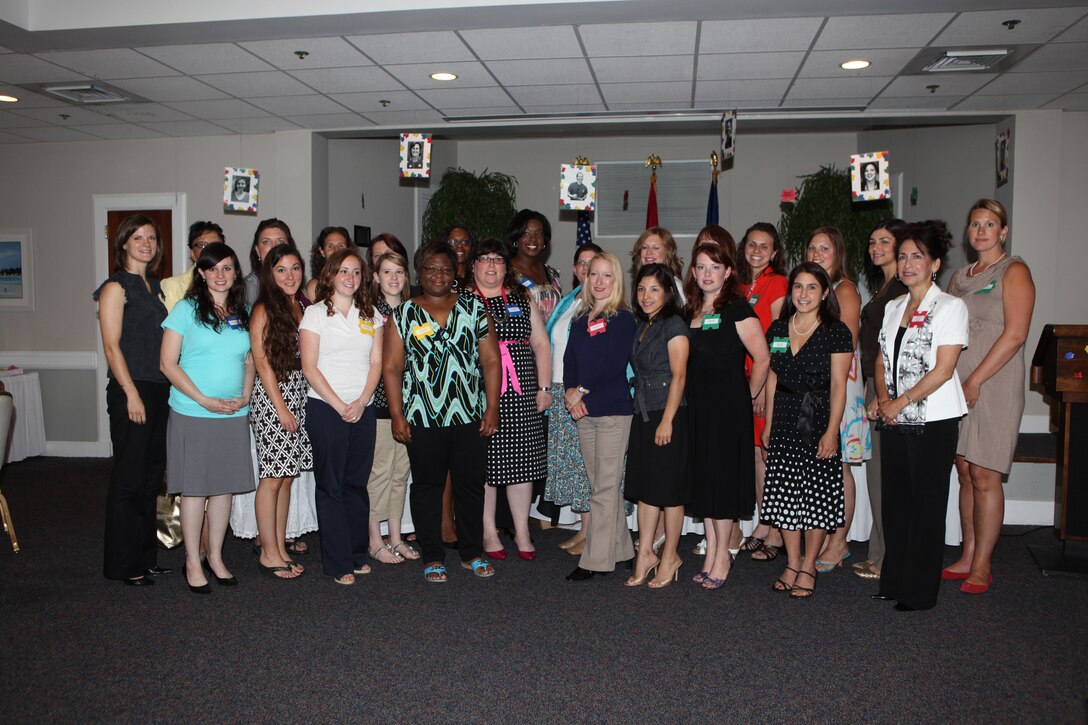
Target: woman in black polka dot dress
(517, 453)
(810, 357)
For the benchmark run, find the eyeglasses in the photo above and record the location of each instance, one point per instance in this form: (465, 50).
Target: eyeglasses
(458, 242)
(437, 271)
(492, 259)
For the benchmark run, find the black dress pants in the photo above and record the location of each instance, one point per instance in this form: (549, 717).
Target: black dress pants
(915, 470)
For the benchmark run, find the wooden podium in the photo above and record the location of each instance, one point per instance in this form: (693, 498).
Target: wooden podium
(1060, 365)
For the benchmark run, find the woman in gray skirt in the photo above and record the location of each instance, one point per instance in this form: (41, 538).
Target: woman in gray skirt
(205, 356)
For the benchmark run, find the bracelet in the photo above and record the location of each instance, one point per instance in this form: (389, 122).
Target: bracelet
(907, 396)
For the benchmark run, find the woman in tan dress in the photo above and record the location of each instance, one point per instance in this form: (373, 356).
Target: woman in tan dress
(1000, 297)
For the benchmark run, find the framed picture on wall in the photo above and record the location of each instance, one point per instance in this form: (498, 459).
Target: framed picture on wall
(415, 155)
(869, 178)
(577, 187)
(240, 189)
(362, 236)
(16, 271)
(729, 136)
(1002, 150)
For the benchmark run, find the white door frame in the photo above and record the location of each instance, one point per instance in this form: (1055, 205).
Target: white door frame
(103, 204)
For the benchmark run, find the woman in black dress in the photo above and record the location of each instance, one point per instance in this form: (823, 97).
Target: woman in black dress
(811, 352)
(657, 451)
(723, 328)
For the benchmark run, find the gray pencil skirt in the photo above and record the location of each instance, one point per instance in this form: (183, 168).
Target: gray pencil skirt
(208, 456)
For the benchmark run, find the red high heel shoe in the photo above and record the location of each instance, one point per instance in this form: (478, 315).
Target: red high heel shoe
(953, 576)
(526, 555)
(500, 554)
(968, 588)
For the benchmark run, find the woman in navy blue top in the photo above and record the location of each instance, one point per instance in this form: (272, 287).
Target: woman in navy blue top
(599, 400)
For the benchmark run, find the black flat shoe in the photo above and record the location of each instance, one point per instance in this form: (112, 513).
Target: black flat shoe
(881, 597)
(904, 608)
(580, 575)
(157, 571)
(142, 581)
(228, 581)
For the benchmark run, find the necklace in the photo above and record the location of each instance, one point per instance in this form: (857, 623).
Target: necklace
(793, 324)
(972, 271)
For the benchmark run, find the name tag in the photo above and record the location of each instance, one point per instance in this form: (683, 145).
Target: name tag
(712, 322)
(918, 319)
(513, 310)
(366, 327)
(234, 323)
(527, 283)
(753, 300)
(422, 331)
(988, 288)
(780, 344)
(597, 327)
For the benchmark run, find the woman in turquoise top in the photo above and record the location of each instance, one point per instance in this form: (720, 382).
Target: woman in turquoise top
(205, 356)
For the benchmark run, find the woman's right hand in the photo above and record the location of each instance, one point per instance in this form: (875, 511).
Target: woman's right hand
(288, 421)
(136, 412)
(765, 441)
(402, 432)
(217, 405)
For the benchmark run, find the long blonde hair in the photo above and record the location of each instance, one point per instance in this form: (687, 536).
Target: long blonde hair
(616, 301)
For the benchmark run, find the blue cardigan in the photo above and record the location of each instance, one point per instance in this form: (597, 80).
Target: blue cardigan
(599, 363)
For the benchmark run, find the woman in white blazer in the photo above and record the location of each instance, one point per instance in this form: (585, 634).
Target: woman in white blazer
(919, 403)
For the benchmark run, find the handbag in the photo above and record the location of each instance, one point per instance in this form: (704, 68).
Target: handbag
(168, 520)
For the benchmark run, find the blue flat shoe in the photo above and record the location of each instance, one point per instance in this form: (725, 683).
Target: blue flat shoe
(479, 566)
(435, 573)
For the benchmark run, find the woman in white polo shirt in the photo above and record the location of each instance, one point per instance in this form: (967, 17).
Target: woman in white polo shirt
(341, 341)
(919, 402)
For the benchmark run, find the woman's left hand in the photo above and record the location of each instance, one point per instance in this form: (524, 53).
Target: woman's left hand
(829, 445)
(971, 391)
(543, 400)
(759, 405)
(663, 434)
(353, 411)
(890, 410)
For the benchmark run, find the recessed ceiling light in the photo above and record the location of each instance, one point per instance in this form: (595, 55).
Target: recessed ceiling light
(8, 99)
(854, 64)
(443, 76)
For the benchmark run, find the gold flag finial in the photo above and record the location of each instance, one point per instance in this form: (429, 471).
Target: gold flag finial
(581, 161)
(652, 162)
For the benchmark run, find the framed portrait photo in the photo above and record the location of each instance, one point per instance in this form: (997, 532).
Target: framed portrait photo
(729, 136)
(240, 189)
(415, 155)
(869, 178)
(578, 187)
(1002, 149)
(16, 271)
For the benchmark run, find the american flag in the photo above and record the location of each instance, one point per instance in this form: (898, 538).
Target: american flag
(583, 235)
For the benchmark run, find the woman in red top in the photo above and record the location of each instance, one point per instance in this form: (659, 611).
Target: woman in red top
(763, 281)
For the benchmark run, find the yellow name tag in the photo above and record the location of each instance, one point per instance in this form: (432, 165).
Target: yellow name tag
(422, 331)
(366, 327)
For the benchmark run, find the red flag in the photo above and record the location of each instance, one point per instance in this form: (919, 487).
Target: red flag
(651, 203)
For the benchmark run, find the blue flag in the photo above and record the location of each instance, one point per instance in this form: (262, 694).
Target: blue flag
(583, 235)
(712, 202)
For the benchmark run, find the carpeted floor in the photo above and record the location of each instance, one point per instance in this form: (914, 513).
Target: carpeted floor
(523, 646)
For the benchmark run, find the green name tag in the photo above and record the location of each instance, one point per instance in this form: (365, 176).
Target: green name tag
(988, 288)
(753, 300)
(780, 344)
(711, 322)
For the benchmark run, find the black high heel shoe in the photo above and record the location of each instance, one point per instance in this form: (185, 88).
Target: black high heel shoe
(228, 581)
(204, 588)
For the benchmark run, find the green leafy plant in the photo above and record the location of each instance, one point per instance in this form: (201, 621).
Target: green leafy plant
(485, 203)
(824, 200)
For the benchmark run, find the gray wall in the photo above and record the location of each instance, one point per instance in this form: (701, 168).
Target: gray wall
(69, 404)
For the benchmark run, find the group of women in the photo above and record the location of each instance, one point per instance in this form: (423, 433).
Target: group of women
(728, 386)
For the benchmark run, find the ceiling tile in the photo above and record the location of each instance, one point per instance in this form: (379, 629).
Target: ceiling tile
(428, 47)
(1076, 34)
(1070, 102)
(207, 58)
(627, 39)
(576, 108)
(323, 53)
(542, 71)
(20, 68)
(726, 92)
(406, 118)
(54, 133)
(4, 50)
(417, 76)
(825, 63)
(1036, 83)
(17, 120)
(747, 66)
(754, 36)
(1056, 57)
(144, 113)
(216, 110)
(345, 80)
(881, 31)
(555, 95)
(914, 103)
(367, 102)
(107, 64)
(838, 87)
(75, 115)
(326, 121)
(266, 124)
(646, 92)
(811, 103)
(28, 99)
(557, 41)
(1005, 103)
(12, 138)
(447, 98)
(188, 128)
(951, 84)
(651, 106)
(298, 105)
(173, 88)
(644, 69)
(985, 28)
(262, 83)
(118, 131)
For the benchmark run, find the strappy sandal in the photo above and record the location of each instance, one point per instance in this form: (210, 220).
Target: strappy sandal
(806, 591)
(435, 573)
(479, 566)
(769, 552)
(785, 587)
(408, 553)
(751, 543)
(390, 555)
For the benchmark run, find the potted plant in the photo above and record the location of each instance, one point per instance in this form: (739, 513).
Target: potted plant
(484, 202)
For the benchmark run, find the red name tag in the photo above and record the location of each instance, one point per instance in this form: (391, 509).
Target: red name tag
(597, 327)
(918, 319)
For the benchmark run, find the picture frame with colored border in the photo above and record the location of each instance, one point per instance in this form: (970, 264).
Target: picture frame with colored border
(869, 177)
(729, 136)
(16, 270)
(1002, 149)
(241, 187)
(415, 155)
(578, 187)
